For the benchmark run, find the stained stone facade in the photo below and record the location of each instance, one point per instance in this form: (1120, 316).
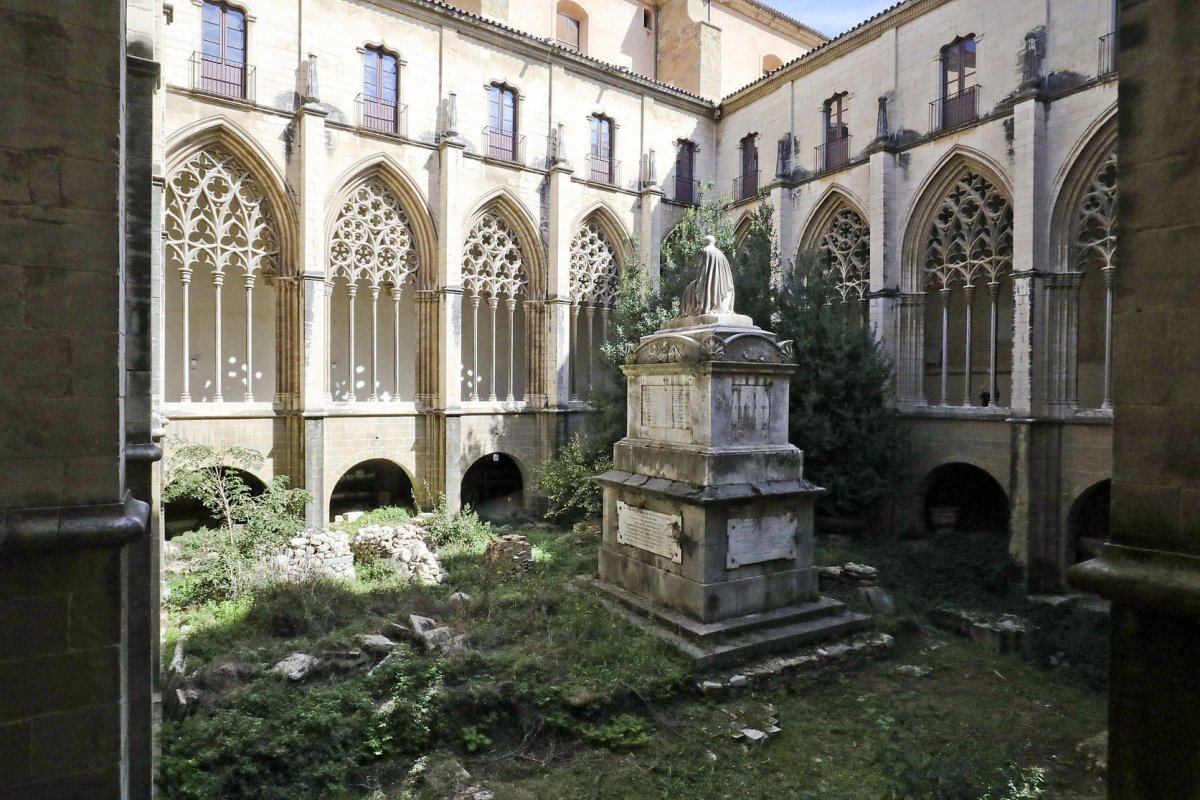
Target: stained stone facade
(415, 268)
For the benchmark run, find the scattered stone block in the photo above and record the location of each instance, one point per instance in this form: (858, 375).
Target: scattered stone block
(460, 597)
(1095, 752)
(375, 644)
(1001, 634)
(754, 734)
(316, 553)
(912, 671)
(739, 681)
(296, 667)
(879, 600)
(511, 554)
(408, 546)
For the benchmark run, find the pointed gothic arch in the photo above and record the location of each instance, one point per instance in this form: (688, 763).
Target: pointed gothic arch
(960, 238)
(503, 274)
(230, 256)
(839, 229)
(596, 258)
(1084, 256)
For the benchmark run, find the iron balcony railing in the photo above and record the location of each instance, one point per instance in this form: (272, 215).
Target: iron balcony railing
(746, 186)
(385, 116)
(1107, 60)
(954, 110)
(599, 169)
(686, 191)
(222, 76)
(834, 153)
(504, 145)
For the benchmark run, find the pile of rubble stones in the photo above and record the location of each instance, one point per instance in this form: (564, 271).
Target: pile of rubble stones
(408, 545)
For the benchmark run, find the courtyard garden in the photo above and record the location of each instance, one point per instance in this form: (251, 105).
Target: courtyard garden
(537, 690)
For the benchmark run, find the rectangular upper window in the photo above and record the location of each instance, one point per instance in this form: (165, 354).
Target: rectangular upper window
(568, 31)
(223, 33)
(686, 189)
(381, 93)
(601, 156)
(502, 122)
(222, 57)
(958, 67)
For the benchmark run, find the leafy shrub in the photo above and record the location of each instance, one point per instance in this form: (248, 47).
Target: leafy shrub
(569, 482)
(1072, 639)
(620, 732)
(464, 530)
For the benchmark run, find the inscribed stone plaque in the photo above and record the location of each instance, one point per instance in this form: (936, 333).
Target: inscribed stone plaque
(754, 540)
(667, 407)
(649, 530)
(751, 405)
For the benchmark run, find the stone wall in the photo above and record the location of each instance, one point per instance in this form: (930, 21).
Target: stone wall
(78, 608)
(1151, 570)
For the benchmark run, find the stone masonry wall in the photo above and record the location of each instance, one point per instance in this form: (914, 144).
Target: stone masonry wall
(75, 632)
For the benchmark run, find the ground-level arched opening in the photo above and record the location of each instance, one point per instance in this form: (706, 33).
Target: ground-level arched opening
(187, 514)
(1088, 520)
(369, 485)
(965, 498)
(493, 487)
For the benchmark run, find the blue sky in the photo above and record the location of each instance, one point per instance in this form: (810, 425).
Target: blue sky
(830, 17)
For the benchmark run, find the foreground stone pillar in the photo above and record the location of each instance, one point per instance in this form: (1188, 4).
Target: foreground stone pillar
(708, 521)
(1151, 570)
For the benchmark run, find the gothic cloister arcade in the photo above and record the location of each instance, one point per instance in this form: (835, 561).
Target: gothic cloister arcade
(966, 263)
(841, 233)
(224, 257)
(595, 269)
(496, 270)
(373, 264)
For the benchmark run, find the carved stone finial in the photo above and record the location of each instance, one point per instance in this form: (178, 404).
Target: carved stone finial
(312, 91)
(560, 145)
(451, 116)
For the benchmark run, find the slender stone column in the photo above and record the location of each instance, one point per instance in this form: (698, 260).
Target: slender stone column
(450, 315)
(249, 394)
(218, 358)
(969, 296)
(945, 398)
(185, 278)
(557, 330)
(1108, 273)
(313, 361)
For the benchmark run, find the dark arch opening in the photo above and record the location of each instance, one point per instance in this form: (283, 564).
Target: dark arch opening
(1088, 520)
(186, 514)
(965, 498)
(493, 487)
(369, 485)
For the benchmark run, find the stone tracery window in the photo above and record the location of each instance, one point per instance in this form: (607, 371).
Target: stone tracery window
(970, 241)
(493, 270)
(846, 245)
(594, 276)
(1094, 246)
(371, 247)
(218, 222)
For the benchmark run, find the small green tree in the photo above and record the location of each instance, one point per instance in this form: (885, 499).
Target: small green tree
(210, 475)
(756, 270)
(677, 257)
(840, 414)
(251, 526)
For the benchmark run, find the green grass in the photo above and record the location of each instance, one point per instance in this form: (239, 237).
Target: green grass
(558, 698)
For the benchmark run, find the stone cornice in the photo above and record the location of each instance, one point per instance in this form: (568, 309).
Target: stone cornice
(1144, 578)
(774, 19)
(862, 34)
(74, 527)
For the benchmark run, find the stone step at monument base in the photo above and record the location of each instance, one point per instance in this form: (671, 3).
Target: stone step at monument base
(735, 640)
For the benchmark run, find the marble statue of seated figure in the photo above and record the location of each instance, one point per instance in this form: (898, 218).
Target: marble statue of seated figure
(712, 291)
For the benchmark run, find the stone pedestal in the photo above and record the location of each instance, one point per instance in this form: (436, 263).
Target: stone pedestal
(708, 521)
